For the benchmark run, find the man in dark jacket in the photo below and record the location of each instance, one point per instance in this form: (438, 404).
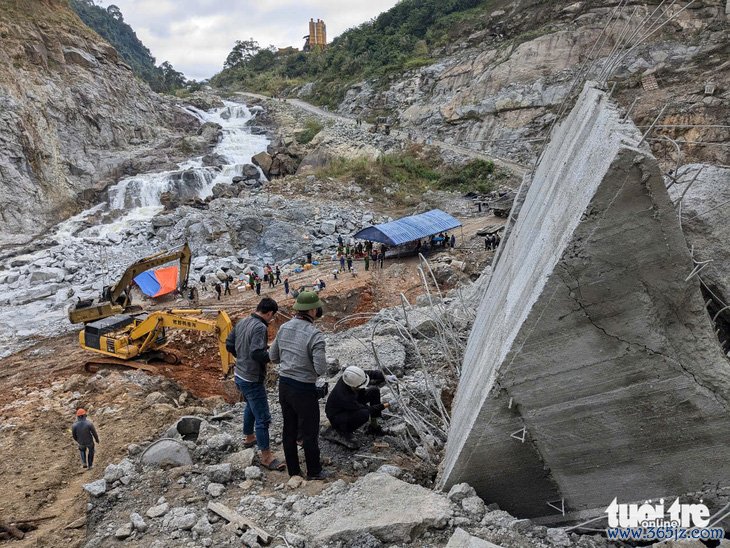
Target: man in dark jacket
(352, 403)
(84, 434)
(248, 342)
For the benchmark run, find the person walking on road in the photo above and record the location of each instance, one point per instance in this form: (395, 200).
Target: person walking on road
(227, 285)
(278, 274)
(84, 434)
(248, 342)
(299, 348)
(286, 286)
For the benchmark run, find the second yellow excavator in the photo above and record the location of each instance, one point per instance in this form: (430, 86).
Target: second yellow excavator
(133, 341)
(117, 299)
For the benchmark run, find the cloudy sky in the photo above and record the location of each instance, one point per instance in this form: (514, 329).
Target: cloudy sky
(196, 36)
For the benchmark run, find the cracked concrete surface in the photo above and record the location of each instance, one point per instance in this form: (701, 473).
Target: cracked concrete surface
(590, 339)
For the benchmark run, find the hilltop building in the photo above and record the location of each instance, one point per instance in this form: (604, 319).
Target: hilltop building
(317, 37)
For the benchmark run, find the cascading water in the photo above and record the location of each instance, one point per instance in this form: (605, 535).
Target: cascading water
(92, 248)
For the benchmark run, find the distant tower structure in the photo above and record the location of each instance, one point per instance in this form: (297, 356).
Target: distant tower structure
(317, 37)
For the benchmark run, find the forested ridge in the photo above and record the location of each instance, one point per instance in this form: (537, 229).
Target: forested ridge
(401, 38)
(109, 24)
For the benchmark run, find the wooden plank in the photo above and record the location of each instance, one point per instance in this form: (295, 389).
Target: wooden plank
(234, 517)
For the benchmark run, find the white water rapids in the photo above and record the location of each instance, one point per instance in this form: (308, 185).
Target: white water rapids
(93, 248)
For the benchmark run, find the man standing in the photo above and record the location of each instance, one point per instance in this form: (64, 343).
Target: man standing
(452, 241)
(217, 288)
(278, 274)
(286, 286)
(227, 285)
(84, 434)
(367, 262)
(299, 348)
(248, 342)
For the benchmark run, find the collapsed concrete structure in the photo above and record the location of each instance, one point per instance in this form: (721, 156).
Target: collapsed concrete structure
(592, 371)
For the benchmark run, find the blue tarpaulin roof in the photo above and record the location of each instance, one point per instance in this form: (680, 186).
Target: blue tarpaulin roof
(410, 228)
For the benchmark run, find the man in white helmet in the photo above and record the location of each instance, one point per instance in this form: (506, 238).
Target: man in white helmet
(352, 403)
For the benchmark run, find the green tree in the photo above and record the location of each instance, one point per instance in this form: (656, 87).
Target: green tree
(241, 53)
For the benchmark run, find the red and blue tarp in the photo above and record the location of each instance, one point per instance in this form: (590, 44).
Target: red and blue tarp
(155, 283)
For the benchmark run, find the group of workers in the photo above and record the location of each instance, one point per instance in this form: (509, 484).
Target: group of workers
(299, 349)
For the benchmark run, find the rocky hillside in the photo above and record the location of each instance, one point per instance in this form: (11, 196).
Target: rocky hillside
(499, 88)
(73, 118)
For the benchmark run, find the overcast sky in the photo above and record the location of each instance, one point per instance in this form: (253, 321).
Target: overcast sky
(196, 36)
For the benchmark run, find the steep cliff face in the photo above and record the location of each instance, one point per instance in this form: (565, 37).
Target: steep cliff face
(500, 88)
(73, 118)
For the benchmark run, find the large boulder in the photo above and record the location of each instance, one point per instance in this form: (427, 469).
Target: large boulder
(371, 505)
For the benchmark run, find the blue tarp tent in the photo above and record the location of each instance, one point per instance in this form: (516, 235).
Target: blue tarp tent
(409, 229)
(148, 283)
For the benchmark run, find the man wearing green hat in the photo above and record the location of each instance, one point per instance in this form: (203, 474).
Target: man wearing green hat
(299, 348)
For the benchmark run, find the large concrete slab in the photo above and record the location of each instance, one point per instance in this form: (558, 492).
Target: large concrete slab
(387, 508)
(590, 338)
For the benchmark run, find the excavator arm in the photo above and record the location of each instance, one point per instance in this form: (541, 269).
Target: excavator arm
(146, 332)
(115, 299)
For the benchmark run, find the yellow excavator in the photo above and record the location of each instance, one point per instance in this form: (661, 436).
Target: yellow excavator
(117, 299)
(134, 341)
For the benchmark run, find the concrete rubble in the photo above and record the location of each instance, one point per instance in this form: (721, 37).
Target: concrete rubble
(592, 371)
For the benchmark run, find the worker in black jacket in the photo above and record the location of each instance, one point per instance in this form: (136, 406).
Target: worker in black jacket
(84, 434)
(352, 403)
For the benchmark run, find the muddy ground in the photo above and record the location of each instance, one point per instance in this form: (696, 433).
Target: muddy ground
(41, 387)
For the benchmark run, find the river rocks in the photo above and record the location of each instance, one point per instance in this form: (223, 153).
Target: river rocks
(215, 489)
(418, 508)
(166, 453)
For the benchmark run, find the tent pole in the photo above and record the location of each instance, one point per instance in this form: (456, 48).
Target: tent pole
(461, 228)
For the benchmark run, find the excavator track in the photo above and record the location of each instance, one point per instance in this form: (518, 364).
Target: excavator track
(143, 364)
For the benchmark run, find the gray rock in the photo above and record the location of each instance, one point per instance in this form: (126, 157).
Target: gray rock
(296, 541)
(241, 460)
(138, 522)
(219, 442)
(203, 527)
(460, 491)
(183, 522)
(462, 539)
(96, 488)
(125, 531)
(418, 509)
(114, 472)
(474, 506)
(558, 537)
(215, 489)
(166, 452)
(158, 510)
(328, 227)
(253, 473)
(219, 473)
(391, 469)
